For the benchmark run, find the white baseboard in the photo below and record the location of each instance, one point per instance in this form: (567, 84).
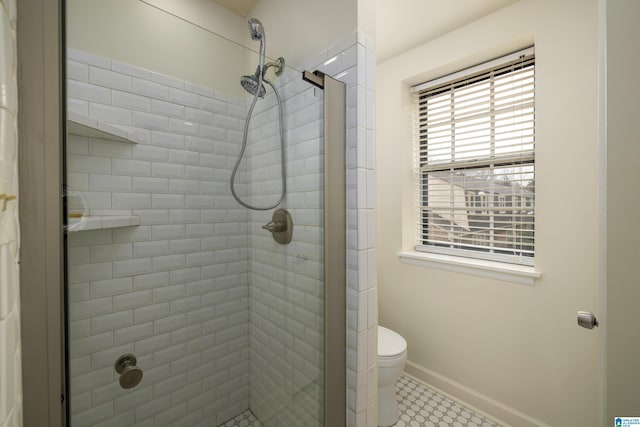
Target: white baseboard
(480, 403)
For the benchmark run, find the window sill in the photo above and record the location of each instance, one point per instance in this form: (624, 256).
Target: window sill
(475, 267)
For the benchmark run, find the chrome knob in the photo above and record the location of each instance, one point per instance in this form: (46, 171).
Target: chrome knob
(586, 319)
(130, 374)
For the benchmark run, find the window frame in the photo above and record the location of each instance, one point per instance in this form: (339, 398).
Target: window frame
(496, 203)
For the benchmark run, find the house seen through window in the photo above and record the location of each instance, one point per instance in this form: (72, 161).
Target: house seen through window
(475, 161)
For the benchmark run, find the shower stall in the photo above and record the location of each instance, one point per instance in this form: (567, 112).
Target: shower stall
(183, 308)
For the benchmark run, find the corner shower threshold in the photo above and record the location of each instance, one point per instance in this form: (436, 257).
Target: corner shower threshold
(102, 222)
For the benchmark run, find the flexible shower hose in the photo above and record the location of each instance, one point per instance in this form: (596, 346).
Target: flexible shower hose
(244, 146)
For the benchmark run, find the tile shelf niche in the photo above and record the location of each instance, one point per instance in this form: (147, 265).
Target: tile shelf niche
(79, 124)
(101, 222)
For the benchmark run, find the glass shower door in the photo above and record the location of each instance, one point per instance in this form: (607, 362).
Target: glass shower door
(286, 290)
(182, 309)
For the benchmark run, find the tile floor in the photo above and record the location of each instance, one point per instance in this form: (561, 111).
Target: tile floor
(420, 406)
(245, 419)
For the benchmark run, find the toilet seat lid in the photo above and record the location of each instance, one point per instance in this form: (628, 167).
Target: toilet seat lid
(390, 343)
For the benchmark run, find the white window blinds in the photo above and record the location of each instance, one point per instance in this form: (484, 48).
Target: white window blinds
(475, 161)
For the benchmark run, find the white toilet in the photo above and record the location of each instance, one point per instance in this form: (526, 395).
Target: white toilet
(392, 355)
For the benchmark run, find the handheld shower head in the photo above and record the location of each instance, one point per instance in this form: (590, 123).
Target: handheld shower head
(254, 84)
(256, 29)
(251, 83)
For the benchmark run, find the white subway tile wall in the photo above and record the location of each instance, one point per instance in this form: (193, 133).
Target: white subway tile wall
(173, 290)
(10, 353)
(286, 282)
(362, 296)
(220, 316)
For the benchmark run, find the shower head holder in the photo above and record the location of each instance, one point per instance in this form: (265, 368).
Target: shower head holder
(278, 66)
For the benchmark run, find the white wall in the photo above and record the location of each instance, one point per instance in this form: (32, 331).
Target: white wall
(208, 15)
(298, 30)
(10, 356)
(136, 33)
(511, 349)
(367, 12)
(623, 207)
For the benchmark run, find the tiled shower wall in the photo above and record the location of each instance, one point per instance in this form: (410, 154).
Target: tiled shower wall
(362, 296)
(286, 281)
(10, 355)
(362, 304)
(172, 290)
(286, 288)
(175, 290)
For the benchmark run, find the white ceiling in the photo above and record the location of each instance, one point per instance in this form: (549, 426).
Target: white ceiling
(404, 24)
(241, 7)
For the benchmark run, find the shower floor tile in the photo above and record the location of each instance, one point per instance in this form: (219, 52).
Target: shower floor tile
(245, 419)
(421, 406)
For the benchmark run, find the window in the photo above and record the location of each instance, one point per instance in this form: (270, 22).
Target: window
(475, 161)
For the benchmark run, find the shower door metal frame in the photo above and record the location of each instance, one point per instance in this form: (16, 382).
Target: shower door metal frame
(41, 118)
(335, 253)
(335, 247)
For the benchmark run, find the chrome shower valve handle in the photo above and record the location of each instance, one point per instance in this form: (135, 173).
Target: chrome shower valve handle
(280, 226)
(275, 227)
